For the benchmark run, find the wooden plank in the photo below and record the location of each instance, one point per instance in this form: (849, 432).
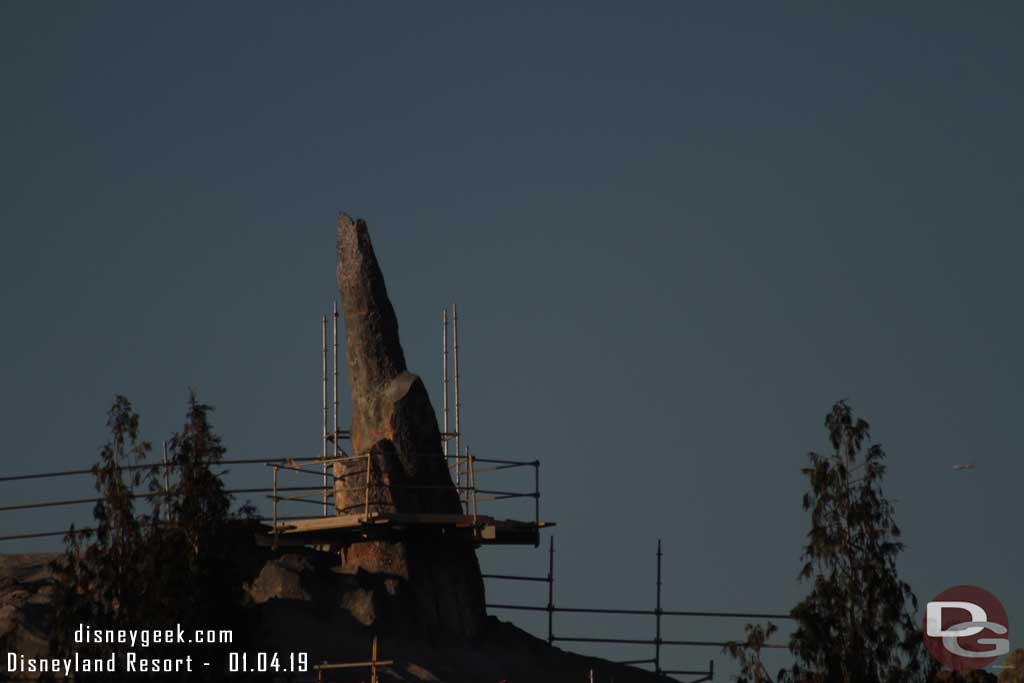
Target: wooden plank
(354, 665)
(324, 523)
(350, 528)
(402, 518)
(436, 519)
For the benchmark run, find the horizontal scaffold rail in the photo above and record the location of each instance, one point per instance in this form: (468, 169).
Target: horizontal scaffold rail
(641, 612)
(317, 460)
(655, 641)
(310, 493)
(360, 517)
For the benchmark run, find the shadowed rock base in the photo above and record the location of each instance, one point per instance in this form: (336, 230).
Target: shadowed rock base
(299, 602)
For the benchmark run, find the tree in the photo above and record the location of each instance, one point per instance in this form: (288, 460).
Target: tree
(175, 563)
(748, 653)
(101, 578)
(857, 625)
(197, 545)
(1014, 668)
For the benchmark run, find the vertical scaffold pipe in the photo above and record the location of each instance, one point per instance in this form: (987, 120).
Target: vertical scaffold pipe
(536, 500)
(275, 507)
(458, 403)
(366, 491)
(373, 660)
(657, 617)
(167, 486)
(323, 384)
(551, 589)
(472, 481)
(335, 366)
(444, 380)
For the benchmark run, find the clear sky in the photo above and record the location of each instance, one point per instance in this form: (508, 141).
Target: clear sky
(676, 234)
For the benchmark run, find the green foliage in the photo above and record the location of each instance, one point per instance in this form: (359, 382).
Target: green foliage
(199, 504)
(170, 564)
(857, 625)
(748, 653)
(102, 578)
(195, 539)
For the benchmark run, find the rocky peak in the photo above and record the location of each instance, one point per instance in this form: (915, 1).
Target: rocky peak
(394, 421)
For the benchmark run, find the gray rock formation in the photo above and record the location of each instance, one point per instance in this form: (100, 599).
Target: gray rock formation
(26, 596)
(393, 420)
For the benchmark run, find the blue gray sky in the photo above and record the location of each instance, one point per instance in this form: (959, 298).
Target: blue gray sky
(676, 234)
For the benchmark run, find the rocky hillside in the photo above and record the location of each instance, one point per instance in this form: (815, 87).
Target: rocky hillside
(305, 602)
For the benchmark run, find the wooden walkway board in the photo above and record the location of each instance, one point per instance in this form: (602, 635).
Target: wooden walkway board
(483, 529)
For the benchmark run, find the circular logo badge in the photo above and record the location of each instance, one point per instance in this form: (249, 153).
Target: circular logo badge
(966, 628)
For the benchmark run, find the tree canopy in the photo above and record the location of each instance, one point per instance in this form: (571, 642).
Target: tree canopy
(163, 562)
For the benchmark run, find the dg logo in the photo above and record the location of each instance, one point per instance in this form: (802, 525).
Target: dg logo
(966, 628)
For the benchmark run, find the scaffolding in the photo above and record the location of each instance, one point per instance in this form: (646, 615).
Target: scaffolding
(369, 519)
(164, 493)
(337, 435)
(657, 643)
(372, 664)
(456, 435)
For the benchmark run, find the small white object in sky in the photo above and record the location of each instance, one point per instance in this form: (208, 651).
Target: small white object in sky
(961, 468)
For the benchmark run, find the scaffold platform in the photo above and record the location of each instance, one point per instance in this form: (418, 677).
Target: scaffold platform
(353, 528)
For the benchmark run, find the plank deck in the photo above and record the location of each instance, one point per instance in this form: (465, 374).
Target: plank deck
(354, 527)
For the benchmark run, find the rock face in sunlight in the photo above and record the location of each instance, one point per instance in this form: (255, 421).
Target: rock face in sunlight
(394, 422)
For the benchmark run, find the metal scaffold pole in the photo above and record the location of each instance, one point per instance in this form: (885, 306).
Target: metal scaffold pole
(551, 589)
(472, 481)
(276, 528)
(458, 403)
(337, 434)
(323, 382)
(657, 617)
(536, 498)
(167, 486)
(444, 379)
